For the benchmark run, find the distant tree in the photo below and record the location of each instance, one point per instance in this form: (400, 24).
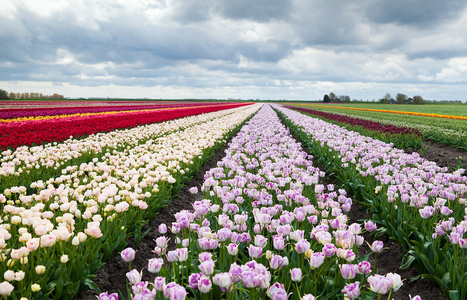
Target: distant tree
(3, 95)
(326, 99)
(418, 100)
(401, 98)
(386, 99)
(12, 95)
(332, 97)
(344, 99)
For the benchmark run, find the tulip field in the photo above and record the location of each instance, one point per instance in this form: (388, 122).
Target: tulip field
(448, 128)
(78, 179)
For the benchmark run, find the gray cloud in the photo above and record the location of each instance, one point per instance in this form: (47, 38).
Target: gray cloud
(259, 10)
(279, 47)
(417, 13)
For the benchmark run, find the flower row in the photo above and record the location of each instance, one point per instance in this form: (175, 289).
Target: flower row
(46, 160)
(446, 132)
(402, 137)
(421, 204)
(71, 222)
(262, 227)
(395, 112)
(28, 113)
(43, 131)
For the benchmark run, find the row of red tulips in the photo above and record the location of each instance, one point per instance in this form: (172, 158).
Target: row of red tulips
(371, 125)
(13, 135)
(12, 113)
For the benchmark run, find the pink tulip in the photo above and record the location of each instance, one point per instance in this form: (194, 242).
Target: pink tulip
(296, 274)
(155, 265)
(128, 254)
(348, 271)
(352, 290)
(379, 284)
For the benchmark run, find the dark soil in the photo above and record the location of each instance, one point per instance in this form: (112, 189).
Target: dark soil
(111, 277)
(443, 155)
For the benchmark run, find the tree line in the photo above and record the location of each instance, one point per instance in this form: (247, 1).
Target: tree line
(4, 95)
(387, 99)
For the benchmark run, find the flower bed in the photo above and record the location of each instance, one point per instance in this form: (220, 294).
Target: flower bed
(421, 204)
(37, 132)
(13, 113)
(401, 137)
(54, 239)
(48, 160)
(263, 228)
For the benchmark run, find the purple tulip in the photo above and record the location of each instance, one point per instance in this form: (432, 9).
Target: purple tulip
(379, 284)
(396, 281)
(232, 249)
(106, 296)
(329, 250)
(302, 246)
(207, 267)
(139, 288)
(162, 228)
(250, 279)
(296, 274)
(277, 262)
(159, 283)
(316, 260)
(352, 290)
(128, 254)
(278, 242)
(348, 271)
(370, 226)
(155, 265)
(173, 291)
(133, 276)
(377, 246)
(172, 256)
(193, 280)
(162, 242)
(204, 284)
(260, 241)
(255, 252)
(277, 292)
(223, 280)
(204, 256)
(224, 234)
(364, 267)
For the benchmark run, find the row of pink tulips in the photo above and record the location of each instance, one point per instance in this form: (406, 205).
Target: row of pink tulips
(421, 204)
(262, 227)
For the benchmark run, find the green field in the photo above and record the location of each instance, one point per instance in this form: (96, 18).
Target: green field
(441, 109)
(448, 131)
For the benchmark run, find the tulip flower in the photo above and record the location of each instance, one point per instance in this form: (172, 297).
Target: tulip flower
(128, 254)
(379, 284)
(296, 274)
(352, 290)
(348, 271)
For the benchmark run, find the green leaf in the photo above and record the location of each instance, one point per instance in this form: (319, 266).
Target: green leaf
(407, 264)
(91, 284)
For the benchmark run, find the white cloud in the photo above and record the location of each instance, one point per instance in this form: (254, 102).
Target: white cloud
(281, 49)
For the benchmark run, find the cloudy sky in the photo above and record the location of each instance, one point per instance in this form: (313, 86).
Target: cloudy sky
(248, 49)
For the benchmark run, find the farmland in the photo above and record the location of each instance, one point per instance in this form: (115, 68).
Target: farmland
(445, 124)
(83, 185)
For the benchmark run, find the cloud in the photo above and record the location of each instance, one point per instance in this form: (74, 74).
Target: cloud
(416, 13)
(251, 49)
